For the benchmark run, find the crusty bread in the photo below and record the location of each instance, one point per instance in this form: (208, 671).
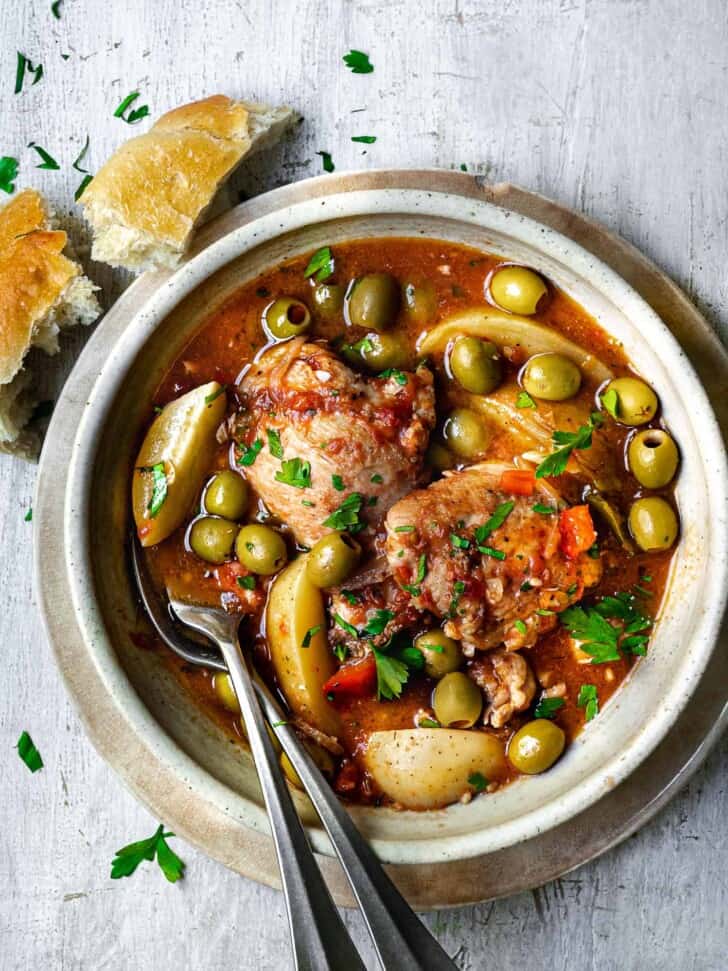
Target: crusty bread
(42, 292)
(144, 203)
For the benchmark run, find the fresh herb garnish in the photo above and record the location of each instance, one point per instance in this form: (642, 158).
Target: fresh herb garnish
(610, 402)
(346, 516)
(351, 598)
(428, 723)
(25, 66)
(136, 114)
(295, 472)
(345, 625)
(308, 503)
(8, 173)
(376, 624)
(321, 264)
(214, 395)
(337, 482)
(571, 590)
(159, 487)
(459, 542)
(377, 479)
(129, 857)
(414, 589)
(358, 62)
(392, 372)
(404, 529)
(250, 453)
(29, 753)
(327, 161)
(543, 509)
(489, 551)
(600, 638)
(588, 700)
(364, 139)
(556, 463)
(48, 162)
(545, 613)
(519, 624)
(499, 516)
(279, 723)
(524, 400)
(547, 707)
(80, 190)
(274, 443)
(306, 642)
(478, 781)
(458, 589)
(56, 9)
(29, 515)
(247, 583)
(341, 651)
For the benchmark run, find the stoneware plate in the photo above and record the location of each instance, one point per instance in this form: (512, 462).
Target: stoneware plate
(173, 757)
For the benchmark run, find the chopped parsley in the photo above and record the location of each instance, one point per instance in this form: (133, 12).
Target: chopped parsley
(376, 624)
(555, 464)
(8, 173)
(547, 707)
(399, 376)
(489, 551)
(478, 781)
(321, 264)
(128, 858)
(543, 509)
(247, 583)
(610, 402)
(56, 9)
(589, 701)
(295, 472)
(337, 482)
(26, 66)
(428, 723)
(47, 160)
(358, 62)
(350, 598)
(346, 626)
(159, 487)
(133, 116)
(458, 589)
(459, 542)
(250, 453)
(308, 503)
(346, 516)
(274, 443)
(519, 624)
(327, 161)
(29, 515)
(80, 190)
(414, 589)
(364, 139)
(524, 400)
(376, 479)
(404, 529)
(29, 753)
(499, 516)
(214, 395)
(306, 642)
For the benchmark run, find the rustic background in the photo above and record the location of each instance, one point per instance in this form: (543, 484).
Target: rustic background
(616, 107)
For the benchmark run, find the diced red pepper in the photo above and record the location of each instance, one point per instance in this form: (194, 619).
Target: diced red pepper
(355, 679)
(519, 482)
(577, 531)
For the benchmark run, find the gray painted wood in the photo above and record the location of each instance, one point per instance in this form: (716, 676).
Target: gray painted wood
(617, 108)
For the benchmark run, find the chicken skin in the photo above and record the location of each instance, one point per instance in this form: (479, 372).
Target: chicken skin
(485, 561)
(323, 434)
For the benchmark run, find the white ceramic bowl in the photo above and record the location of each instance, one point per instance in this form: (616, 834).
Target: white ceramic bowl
(96, 523)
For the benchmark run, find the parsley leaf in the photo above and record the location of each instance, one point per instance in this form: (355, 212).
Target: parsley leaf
(327, 161)
(80, 190)
(392, 372)
(547, 707)
(599, 638)
(128, 858)
(376, 624)
(499, 516)
(337, 482)
(8, 173)
(364, 139)
(133, 116)
(29, 753)
(250, 453)
(358, 62)
(392, 675)
(26, 66)
(610, 402)
(346, 516)
(555, 463)
(478, 781)
(306, 642)
(588, 700)
(321, 264)
(295, 472)
(274, 443)
(524, 400)
(48, 162)
(247, 583)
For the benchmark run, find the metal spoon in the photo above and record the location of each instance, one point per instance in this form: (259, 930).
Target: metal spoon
(319, 938)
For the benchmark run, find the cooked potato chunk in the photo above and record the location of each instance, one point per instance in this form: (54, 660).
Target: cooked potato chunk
(427, 768)
(173, 461)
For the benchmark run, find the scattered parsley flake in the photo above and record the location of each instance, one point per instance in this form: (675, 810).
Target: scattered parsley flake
(29, 515)
(350, 597)
(128, 858)
(274, 443)
(76, 164)
(520, 626)
(376, 624)
(346, 516)
(589, 701)
(399, 376)
(543, 509)
(459, 542)
(337, 482)
(311, 632)
(26, 66)
(478, 781)
(544, 613)
(489, 551)
(327, 161)
(341, 651)
(377, 479)
(295, 472)
(82, 187)
(346, 626)
(572, 589)
(29, 753)
(610, 402)
(278, 724)
(500, 514)
(250, 453)
(555, 464)
(48, 162)
(547, 707)
(364, 139)
(247, 583)
(463, 167)
(404, 529)
(136, 114)
(524, 400)
(321, 264)
(358, 62)
(214, 395)
(458, 589)
(56, 9)
(159, 487)
(8, 173)
(428, 723)
(307, 502)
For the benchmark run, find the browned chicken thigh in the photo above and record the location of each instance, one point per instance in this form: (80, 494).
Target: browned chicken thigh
(322, 435)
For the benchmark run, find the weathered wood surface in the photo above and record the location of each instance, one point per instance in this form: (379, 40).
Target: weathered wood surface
(616, 107)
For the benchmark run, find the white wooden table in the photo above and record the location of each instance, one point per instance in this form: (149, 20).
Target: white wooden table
(617, 107)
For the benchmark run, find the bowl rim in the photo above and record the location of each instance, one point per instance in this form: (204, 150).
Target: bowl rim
(228, 247)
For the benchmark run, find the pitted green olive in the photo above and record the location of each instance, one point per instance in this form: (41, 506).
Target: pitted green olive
(374, 301)
(653, 524)
(636, 401)
(441, 653)
(329, 299)
(261, 550)
(476, 365)
(439, 457)
(286, 317)
(212, 538)
(652, 457)
(332, 559)
(551, 377)
(465, 434)
(535, 747)
(517, 289)
(420, 301)
(382, 351)
(226, 495)
(457, 701)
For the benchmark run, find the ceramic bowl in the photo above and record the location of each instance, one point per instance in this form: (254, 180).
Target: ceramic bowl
(149, 702)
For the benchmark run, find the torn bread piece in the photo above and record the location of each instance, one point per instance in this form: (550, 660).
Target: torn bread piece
(42, 292)
(147, 199)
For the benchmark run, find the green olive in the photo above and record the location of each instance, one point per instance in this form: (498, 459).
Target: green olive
(261, 550)
(374, 301)
(223, 685)
(382, 351)
(535, 747)
(226, 495)
(652, 457)
(465, 434)
(332, 559)
(439, 457)
(457, 701)
(286, 317)
(212, 538)
(653, 524)
(441, 653)
(636, 401)
(517, 289)
(420, 301)
(551, 377)
(476, 365)
(329, 299)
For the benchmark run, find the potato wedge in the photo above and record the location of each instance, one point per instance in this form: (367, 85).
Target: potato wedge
(511, 330)
(428, 768)
(171, 463)
(296, 607)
